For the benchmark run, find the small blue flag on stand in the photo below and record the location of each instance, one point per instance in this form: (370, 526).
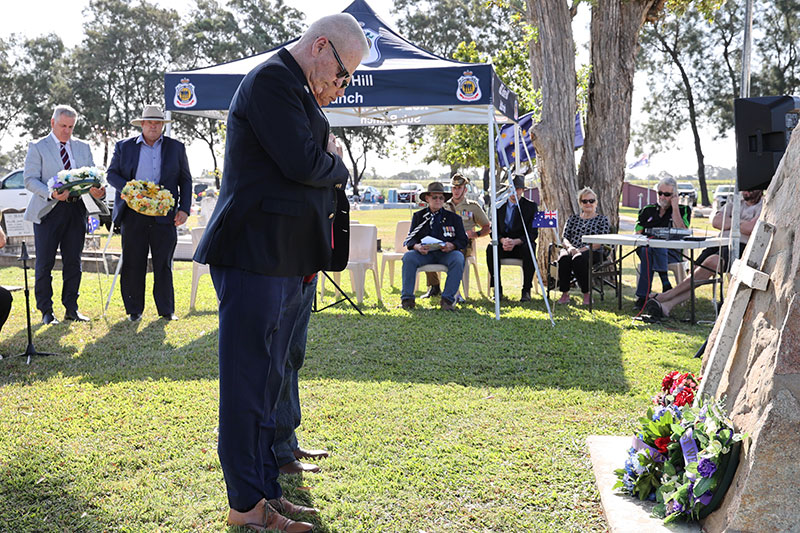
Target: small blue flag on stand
(92, 224)
(545, 219)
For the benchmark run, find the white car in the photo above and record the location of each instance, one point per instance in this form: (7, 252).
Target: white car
(723, 193)
(409, 192)
(686, 190)
(13, 192)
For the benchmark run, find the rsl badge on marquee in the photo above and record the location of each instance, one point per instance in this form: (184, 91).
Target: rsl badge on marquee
(469, 88)
(372, 38)
(184, 94)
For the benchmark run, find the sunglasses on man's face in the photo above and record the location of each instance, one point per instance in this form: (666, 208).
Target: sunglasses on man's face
(343, 73)
(588, 201)
(662, 193)
(435, 197)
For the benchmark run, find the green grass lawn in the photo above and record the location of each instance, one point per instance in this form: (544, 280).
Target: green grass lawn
(436, 422)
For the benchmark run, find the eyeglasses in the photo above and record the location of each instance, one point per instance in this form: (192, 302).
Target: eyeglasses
(435, 197)
(662, 193)
(343, 72)
(588, 201)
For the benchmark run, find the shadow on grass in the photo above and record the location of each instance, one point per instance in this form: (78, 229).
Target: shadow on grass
(127, 351)
(467, 347)
(37, 483)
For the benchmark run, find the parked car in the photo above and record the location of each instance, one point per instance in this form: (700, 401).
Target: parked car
(687, 192)
(722, 194)
(409, 192)
(13, 192)
(366, 193)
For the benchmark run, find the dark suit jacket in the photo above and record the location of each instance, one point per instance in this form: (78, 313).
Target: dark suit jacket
(421, 227)
(277, 203)
(515, 231)
(175, 175)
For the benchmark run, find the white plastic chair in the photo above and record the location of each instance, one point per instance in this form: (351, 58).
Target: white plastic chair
(207, 205)
(510, 261)
(197, 268)
(434, 267)
(363, 257)
(471, 259)
(400, 233)
(679, 270)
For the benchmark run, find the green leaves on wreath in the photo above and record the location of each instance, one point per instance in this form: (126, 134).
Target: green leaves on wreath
(703, 485)
(646, 484)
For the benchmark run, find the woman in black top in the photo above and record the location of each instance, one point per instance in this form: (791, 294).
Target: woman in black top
(574, 257)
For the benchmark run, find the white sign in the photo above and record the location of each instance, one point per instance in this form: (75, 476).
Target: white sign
(16, 226)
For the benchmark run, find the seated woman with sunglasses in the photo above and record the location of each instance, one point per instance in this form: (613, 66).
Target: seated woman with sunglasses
(574, 257)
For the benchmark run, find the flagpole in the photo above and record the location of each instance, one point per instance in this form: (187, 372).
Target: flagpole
(493, 202)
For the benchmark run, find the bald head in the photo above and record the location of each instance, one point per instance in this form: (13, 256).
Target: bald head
(342, 28)
(328, 53)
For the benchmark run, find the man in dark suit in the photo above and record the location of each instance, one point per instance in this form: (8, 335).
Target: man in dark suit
(59, 220)
(273, 225)
(512, 241)
(150, 156)
(446, 227)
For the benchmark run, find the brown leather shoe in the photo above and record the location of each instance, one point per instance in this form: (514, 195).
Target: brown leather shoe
(298, 467)
(301, 453)
(284, 506)
(408, 303)
(447, 306)
(263, 517)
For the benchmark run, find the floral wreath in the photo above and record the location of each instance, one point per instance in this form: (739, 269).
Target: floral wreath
(77, 180)
(147, 198)
(682, 457)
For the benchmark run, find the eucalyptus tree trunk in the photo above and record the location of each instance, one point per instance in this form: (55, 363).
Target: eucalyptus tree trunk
(614, 44)
(553, 71)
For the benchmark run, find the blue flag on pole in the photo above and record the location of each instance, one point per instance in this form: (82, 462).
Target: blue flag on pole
(505, 140)
(545, 219)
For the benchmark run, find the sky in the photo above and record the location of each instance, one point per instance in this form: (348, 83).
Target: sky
(65, 18)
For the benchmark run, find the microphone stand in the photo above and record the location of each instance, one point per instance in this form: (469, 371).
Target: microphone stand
(30, 350)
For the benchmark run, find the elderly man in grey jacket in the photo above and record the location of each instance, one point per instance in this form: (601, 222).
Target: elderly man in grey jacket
(59, 220)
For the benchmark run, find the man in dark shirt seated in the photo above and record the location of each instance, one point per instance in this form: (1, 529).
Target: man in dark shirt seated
(434, 222)
(666, 213)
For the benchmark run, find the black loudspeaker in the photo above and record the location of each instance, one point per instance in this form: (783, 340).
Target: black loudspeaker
(763, 128)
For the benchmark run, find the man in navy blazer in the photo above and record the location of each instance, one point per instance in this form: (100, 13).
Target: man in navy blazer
(273, 224)
(150, 156)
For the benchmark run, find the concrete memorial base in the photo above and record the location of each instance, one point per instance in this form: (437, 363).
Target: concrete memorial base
(624, 514)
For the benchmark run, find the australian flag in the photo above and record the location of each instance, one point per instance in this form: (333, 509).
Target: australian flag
(545, 219)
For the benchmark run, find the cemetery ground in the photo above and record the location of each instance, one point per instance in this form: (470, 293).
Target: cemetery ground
(435, 421)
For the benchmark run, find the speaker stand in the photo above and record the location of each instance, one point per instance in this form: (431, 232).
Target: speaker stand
(30, 351)
(345, 298)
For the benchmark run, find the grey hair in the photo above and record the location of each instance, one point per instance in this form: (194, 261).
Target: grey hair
(64, 110)
(342, 28)
(586, 190)
(668, 180)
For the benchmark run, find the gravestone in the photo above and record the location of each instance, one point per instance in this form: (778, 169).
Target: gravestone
(761, 376)
(17, 230)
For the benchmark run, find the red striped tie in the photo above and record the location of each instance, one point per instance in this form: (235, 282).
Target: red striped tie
(65, 156)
